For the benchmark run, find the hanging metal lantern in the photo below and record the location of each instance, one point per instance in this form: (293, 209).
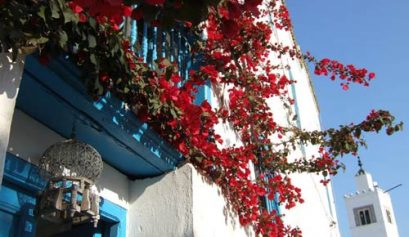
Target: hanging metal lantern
(71, 168)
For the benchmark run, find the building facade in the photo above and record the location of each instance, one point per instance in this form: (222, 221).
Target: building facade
(370, 210)
(144, 187)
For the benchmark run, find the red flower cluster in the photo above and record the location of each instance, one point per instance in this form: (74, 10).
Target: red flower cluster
(236, 55)
(282, 18)
(111, 11)
(334, 69)
(237, 60)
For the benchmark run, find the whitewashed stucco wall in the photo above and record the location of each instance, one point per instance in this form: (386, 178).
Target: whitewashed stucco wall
(317, 215)
(180, 203)
(319, 207)
(378, 229)
(368, 194)
(162, 206)
(10, 77)
(212, 217)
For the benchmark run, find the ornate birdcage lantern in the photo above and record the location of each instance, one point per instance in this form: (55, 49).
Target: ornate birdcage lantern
(71, 168)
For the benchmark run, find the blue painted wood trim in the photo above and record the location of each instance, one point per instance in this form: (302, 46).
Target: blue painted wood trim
(144, 43)
(22, 174)
(132, 147)
(297, 109)
(272, 205)
(203, 93)
(117, 215)
(176, 50)
(25, 177)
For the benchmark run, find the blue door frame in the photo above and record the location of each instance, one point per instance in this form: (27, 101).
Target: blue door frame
(17, 201)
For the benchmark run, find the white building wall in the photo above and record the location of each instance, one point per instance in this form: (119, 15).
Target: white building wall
(10, 77)
(386, 204)
(161, 206)
(219, 97)
(212, 216)
(363, 199)
(364, 182)
(381, 202)
(319, 206)
(317, 215)
(180, 203)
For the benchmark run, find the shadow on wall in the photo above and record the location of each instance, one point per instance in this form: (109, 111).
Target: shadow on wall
(230, 216)
(125, 120)
(12, 72)
(186, 197)
(138, 187)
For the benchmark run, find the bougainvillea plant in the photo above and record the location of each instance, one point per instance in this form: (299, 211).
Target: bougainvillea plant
(235, 53)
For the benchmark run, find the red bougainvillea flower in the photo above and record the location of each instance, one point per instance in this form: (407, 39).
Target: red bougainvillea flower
(75, 7)
(82, 17)
(127, 11)
(188, 24)
(230, 28)
(236, 50)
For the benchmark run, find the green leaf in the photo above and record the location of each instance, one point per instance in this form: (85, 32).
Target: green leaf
(63, 38)
(92, 41)
(69, 16)
(41, 13)
(61, 3)
(114, 49)
(93, 59)
(173, 112)
(156, 106)
(37, 41)
(92, 23)
(54, 10)
(165, 62)
(199, 158)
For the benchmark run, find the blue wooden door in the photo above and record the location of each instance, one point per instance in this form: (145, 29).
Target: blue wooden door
(7, 221)
(16, 212)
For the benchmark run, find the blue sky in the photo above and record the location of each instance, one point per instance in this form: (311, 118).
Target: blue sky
(373, 34)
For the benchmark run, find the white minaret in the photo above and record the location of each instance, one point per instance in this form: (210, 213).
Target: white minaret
(370, 211)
